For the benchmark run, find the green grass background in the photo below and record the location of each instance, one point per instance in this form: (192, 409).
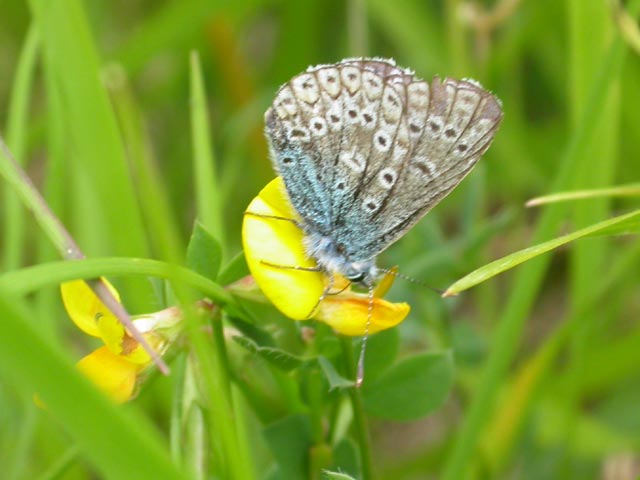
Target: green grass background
(105, 105)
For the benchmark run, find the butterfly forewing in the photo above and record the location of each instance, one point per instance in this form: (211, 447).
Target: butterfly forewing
(366, 149)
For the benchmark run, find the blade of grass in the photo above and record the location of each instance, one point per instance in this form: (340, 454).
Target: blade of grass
(630, 190)
(38, 366)
(522, 393)
(151, 191)
(209, 203)
(528, 280)
(98, 153)
(209, 210)
(512, 260)
(31, 279)
(16, 138)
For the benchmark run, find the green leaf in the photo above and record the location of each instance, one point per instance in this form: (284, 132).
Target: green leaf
(411, 388)
(335, 379)
(234, 270)
(289, 440)
(382, 350)
(616, 225)
(275, 356)
(204, 253)
(345, 458)
(250, 330)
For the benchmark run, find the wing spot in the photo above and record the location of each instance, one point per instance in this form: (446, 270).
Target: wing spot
(287, 160)
(382, 141)
(450, 133)
(334, 118)
(425, 166)
(318, 126)
(340, 185)
(367, 118)
(371, 205)
(462, 148)
(435, 128)
(387, 178)
(414, 128)
(352, 113)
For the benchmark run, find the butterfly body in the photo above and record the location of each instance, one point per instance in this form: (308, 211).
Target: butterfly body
(366, 149)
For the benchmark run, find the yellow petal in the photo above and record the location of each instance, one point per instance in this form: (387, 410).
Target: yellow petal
(115, 337)
(347, 313)
(111, 373)
(385, 284)
(279, 242)
(84, 307)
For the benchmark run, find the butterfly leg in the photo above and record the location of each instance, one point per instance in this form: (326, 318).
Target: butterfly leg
(291, 267)
(274, 217)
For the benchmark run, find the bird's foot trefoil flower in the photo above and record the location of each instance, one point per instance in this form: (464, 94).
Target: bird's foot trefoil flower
(117, 366)
(275, 253)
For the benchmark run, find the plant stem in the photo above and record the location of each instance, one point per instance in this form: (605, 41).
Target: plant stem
(359, 417)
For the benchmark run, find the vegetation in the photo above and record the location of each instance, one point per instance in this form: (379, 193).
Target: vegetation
(141, 125)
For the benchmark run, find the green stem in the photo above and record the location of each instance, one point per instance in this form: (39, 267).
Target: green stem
(177, 410)
(359, 417)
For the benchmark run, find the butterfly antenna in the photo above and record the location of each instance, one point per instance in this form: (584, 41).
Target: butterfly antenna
(412, 280)
(363, 348)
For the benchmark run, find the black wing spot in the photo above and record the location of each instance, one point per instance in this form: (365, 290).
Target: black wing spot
(462, 148)
(435, 128)
(450, 132)
(296, 132)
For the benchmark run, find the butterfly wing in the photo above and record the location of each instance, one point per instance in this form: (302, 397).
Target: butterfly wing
(366, 149)
(444, 129)
(320, 129)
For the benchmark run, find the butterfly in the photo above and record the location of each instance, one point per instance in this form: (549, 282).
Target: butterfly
(365, 149)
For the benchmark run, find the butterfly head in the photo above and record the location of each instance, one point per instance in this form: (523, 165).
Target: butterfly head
(332, 257)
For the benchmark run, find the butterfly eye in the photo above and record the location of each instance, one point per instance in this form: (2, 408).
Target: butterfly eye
(355, 277)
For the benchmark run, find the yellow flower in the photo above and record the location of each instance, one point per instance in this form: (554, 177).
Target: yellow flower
(273, 243)
(115, 367)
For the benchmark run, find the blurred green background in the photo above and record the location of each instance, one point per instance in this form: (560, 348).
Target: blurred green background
(547, 356)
